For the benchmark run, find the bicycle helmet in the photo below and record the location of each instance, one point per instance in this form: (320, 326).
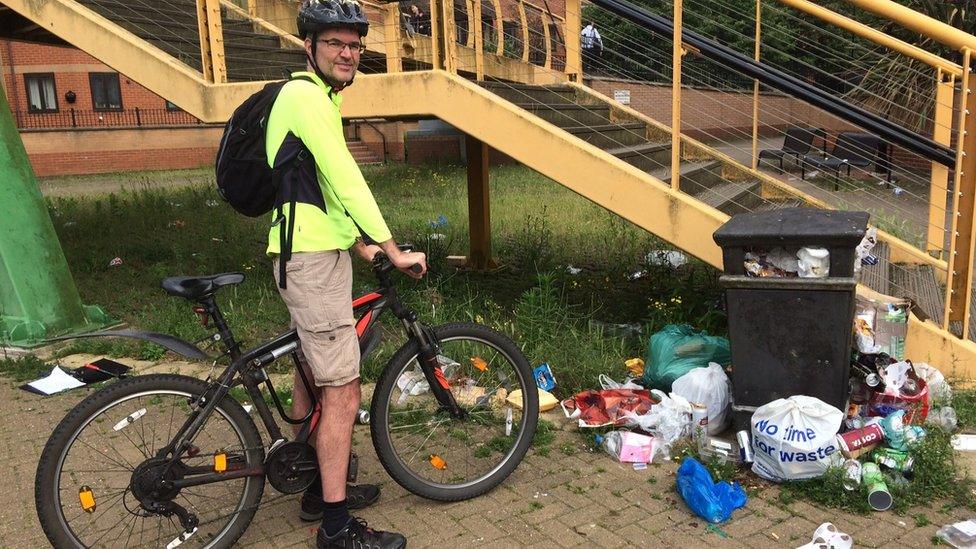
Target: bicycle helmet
(318, 15)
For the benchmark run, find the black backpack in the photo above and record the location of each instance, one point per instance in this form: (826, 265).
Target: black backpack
(244, 178)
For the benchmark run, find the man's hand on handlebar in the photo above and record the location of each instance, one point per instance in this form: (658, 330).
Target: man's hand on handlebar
(414, 264)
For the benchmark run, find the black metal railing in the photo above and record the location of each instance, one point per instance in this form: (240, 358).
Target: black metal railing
(128, 118)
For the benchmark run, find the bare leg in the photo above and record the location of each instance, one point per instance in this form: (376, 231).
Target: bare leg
(339, 407)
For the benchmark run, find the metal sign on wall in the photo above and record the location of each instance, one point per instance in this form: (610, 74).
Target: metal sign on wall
(622, 96)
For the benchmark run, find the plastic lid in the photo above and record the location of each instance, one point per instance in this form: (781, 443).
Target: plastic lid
(794, 227)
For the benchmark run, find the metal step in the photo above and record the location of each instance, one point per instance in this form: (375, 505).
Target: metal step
(611, 135)
(569, 115)
(645, 156)
(525, 93)
(878, 277)
(918, 283)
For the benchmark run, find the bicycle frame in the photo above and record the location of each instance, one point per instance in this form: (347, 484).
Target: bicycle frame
(248, 369)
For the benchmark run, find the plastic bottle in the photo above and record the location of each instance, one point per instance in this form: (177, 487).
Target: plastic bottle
(611, 443)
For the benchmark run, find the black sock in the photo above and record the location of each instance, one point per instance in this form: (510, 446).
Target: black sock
(335, 515)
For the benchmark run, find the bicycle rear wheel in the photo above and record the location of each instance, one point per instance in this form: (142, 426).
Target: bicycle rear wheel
(436, 456)
(100, 461)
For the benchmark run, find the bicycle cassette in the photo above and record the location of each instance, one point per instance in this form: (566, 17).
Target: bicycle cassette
(291, 467)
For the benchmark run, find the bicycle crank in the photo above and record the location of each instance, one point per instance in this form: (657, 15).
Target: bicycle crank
(291, 467)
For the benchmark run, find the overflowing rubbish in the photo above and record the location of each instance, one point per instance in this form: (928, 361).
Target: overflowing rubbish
(961, 535)
(944, 418)
(813, 262)
(573, 270)
(635, 366)
(60, 380)
(710, 387)
(543, 377)
(879, 498)
(546, 400)
(862, 252)
(710, 500)
(669, 420)
(880, 324)
(666, 258)
(115, 262)
(627, 446)
(607, 406)
(964, 443)
(794, 438)
(744, 439)
(606, 382)
(827, 536)
(441, 221)
(677, 349)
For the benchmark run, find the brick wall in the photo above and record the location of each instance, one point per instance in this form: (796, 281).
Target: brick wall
(117, 150)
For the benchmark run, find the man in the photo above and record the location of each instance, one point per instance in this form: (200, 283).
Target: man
(333, 206)
(591, 44)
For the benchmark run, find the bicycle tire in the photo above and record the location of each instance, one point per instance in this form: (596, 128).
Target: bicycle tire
(380, 407)
(49, 469)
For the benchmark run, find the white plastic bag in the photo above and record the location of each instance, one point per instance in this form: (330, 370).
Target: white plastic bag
(708, 386)
(939, 390)
(668, 421)
(794, 438)
(607, 382)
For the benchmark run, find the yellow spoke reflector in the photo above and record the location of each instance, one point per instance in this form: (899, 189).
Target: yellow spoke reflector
(479, 363)
(437, 462)
(87, 498)
(220, 463)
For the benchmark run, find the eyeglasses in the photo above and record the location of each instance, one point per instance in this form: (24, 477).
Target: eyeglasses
(337, 46)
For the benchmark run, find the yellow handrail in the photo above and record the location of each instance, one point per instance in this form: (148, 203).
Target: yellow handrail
(918, 22)
(875, 35)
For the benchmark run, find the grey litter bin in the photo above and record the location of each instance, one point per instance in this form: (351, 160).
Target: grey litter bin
(790, 336)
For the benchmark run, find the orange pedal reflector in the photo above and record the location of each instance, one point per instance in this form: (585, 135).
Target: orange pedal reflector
(437, 462)
(220, 463)
(87, 498)
(479, 363)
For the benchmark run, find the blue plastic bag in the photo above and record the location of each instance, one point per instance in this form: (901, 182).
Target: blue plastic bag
(709, 500)
(676, 350)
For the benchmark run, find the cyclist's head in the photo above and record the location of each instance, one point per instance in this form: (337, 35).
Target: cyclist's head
(326, 25)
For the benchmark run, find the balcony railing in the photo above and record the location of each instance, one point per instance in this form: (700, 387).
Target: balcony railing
(128, 118)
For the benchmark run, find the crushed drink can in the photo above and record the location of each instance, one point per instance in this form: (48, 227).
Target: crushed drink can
(745, 446)
(872, 380)
(854, 443)
(852, 474)
(879, 498)
(699, 420)
(894, 459)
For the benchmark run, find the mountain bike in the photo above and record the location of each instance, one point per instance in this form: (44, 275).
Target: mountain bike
(165, 460)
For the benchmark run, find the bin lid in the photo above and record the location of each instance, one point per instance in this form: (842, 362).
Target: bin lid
(793, 227)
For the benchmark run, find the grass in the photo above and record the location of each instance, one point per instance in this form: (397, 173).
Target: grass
(539, 228)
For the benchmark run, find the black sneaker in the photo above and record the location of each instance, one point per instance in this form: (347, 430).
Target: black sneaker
(356, 535)
(358, 496)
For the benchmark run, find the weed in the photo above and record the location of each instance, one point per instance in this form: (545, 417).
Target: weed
(578, 490)
(568, 449)
(617, 493)
(26, 368)
(535, 505)
(922, 520)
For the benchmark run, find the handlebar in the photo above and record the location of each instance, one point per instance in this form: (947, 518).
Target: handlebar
(383, 265)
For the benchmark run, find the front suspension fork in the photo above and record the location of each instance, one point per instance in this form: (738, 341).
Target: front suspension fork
(430, 348)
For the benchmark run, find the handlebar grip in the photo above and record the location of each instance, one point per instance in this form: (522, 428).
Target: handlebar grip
(416, 268)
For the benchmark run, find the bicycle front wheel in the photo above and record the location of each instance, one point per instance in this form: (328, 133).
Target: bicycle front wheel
(100, 464)
(436, 456)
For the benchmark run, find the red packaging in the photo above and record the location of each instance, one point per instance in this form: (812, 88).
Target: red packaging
(916, 406)
(854, 443)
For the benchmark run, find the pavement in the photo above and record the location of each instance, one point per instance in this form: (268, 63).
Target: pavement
(571, 497)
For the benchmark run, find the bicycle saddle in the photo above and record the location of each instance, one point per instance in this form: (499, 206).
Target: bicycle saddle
(198, 287)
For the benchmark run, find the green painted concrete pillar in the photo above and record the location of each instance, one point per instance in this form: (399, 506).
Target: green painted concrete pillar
(38, 297)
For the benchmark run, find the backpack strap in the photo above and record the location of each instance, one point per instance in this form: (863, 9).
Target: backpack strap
(286, 234)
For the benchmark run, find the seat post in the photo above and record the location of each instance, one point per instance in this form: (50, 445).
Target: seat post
(210, 304)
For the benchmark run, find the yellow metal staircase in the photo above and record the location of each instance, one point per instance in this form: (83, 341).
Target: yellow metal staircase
(606, 152)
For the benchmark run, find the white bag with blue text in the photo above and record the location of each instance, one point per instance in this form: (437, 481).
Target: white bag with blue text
(795, 438)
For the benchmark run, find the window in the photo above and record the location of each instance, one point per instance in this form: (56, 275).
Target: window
(170, 106)
(106, 95)
(41, 94)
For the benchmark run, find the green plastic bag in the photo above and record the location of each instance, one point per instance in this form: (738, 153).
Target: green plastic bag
(678, 349)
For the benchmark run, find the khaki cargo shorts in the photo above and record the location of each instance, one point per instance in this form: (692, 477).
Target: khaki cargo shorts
(319, 299)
